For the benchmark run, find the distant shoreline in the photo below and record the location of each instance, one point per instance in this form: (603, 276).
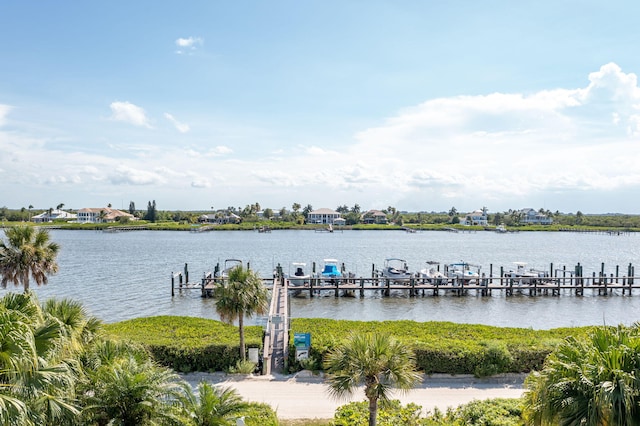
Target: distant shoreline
(270, 227)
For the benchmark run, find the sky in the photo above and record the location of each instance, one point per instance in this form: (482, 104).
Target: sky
(418, 105)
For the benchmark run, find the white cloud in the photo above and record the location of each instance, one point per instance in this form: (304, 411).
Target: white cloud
(503, 150)
(181, 127)
(129, 113)
(4, 111)
(201, 183)
(131, 176)
(188, 45)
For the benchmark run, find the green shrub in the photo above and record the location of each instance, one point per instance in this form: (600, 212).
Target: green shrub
(491, 412)
(186, 343)
(390, 413)
(243, 367)
(259, 414)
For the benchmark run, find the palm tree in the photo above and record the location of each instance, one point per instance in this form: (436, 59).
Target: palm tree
(376, 360)
(37, 381)
(27, 252)
(588, 382)
(213, 405)
(242, 295)
(128, 391)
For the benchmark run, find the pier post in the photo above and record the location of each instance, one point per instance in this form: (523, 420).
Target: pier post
(180, 280)
(361, 287)
(491, 272)
(186, 274)
(387, 284)
(617, 273)
(312, 281)
(173, 285)
(412, 283)
(501, 275)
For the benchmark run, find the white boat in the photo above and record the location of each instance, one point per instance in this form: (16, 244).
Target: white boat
(396, 269)
(300, 277)
(464, 271)
(229, 264)
(432, 275)
(501, 229)
(522, 275)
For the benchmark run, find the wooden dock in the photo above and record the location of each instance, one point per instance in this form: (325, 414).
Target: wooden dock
(560, 281)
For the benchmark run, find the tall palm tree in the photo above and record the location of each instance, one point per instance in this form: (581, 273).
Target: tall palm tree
(378, 361)
(243, 295)
(27, 252)
(213, 405)
(588, 382)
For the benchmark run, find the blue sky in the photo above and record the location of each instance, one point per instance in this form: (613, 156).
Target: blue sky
(415, 104)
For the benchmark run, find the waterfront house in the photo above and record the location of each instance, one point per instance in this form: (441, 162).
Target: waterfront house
(476, 217)
(101, 215)
(220, 219)
(324, 216)
(532, 217)
(51, 215)
(375, 217)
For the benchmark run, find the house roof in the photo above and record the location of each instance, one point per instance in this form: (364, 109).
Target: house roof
(109, 213)
(324, 211)
(375, 213)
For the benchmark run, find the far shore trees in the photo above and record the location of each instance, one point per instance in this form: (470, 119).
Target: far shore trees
(28, 252)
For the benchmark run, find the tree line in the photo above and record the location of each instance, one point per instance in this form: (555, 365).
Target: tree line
(297, 214)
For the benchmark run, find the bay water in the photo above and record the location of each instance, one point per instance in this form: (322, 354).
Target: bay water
(124, 275)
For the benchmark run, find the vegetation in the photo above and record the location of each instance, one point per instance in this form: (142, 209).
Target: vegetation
(242, 295)
(187, 343)
(444, 347)
(57, 367)
(254, 216)
(491, 412)
(27, 253)
(589, 382)
(377, 361)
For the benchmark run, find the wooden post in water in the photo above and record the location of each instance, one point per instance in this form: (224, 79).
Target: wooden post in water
(490, 277)
(312, 281)
(412, 283)
(186, 274)
(173, 285)
(361, 287)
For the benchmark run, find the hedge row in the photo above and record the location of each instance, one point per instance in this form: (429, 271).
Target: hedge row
(443, 347)
(187, 343)
(196, 344)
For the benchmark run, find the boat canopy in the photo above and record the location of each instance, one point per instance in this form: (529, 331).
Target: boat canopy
(331, 270)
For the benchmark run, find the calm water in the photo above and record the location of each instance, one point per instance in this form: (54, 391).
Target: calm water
(125, 275)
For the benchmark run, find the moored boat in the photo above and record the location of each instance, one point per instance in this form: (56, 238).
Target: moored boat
(432, 275)
(396, 269)
(300, 277)
(229, 264)
(465, 272)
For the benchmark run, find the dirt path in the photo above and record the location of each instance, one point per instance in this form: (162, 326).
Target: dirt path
(304, 396)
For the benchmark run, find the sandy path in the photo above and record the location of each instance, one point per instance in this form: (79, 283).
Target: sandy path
(305, 397)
